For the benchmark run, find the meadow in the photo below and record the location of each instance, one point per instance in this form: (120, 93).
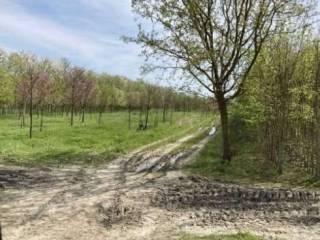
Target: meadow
(89, 142)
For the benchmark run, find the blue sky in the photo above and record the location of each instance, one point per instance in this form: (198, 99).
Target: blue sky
(87, 32)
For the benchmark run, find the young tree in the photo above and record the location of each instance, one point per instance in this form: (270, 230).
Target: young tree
(6, 89)
(85, 88)
(34, 71)
(150, 90)
(74, 78)
(16, 67)
(129, 101)
(165, 104)
(214, 41)
(316, 106)
(100, 95)
(44, 93)
(60, 85)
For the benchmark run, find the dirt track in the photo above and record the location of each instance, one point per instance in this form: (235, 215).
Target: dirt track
(145, 196)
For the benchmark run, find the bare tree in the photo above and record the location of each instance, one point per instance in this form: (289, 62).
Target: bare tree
(216, 42)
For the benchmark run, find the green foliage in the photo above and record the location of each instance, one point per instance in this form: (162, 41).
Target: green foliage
(6, 88)
(102, 91)
(248, 165)
(281, 102)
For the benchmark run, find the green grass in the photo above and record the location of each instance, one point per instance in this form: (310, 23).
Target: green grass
(244, 165)
(85, 143)
(248, 166)
(239, 236)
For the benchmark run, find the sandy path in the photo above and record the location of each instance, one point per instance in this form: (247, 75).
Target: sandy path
(145, 196)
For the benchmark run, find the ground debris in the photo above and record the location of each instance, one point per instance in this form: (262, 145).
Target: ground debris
(213, 202)
(118, 212)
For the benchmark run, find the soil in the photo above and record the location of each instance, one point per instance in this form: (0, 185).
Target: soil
(144, 195)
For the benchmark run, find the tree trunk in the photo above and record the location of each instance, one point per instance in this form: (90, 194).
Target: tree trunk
(41, 119)
(156, 119)
(31, 115)
(72, 112)
(147, 117)
(129, 117)
(83, 112)
(51, 109)
(140, 113)
(23, 123)
(164, 113)
(112, 104)
(62, 110)
(38, 113)
(100, 115)
(20, 117)
(225, 129)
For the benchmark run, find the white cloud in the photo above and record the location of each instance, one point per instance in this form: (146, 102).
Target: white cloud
(117, 12)
(103, 51)
(120, 7)
(36, 30)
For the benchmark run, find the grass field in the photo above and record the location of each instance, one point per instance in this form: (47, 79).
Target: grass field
(85, 143)
(247, 166)
(239, 236)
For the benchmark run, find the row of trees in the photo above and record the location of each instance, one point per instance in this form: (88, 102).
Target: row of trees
(29, 84)
(282, 101)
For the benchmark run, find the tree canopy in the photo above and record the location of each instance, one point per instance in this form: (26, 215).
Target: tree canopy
(216, 42)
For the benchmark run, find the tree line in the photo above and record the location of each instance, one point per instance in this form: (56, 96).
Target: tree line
(31, 85)
(282, 102)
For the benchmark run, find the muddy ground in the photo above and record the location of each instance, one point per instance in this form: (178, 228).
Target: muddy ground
(144, 195)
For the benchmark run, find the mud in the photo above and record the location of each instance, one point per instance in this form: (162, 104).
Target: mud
(222, 202)
(144, 195)
(24, 178)
(118, 212)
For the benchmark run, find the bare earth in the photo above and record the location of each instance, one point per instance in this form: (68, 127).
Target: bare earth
(145, 196)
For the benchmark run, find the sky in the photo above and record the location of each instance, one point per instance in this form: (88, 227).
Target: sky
(86, 32)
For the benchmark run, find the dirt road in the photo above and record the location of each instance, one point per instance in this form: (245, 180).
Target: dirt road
(144, 195)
